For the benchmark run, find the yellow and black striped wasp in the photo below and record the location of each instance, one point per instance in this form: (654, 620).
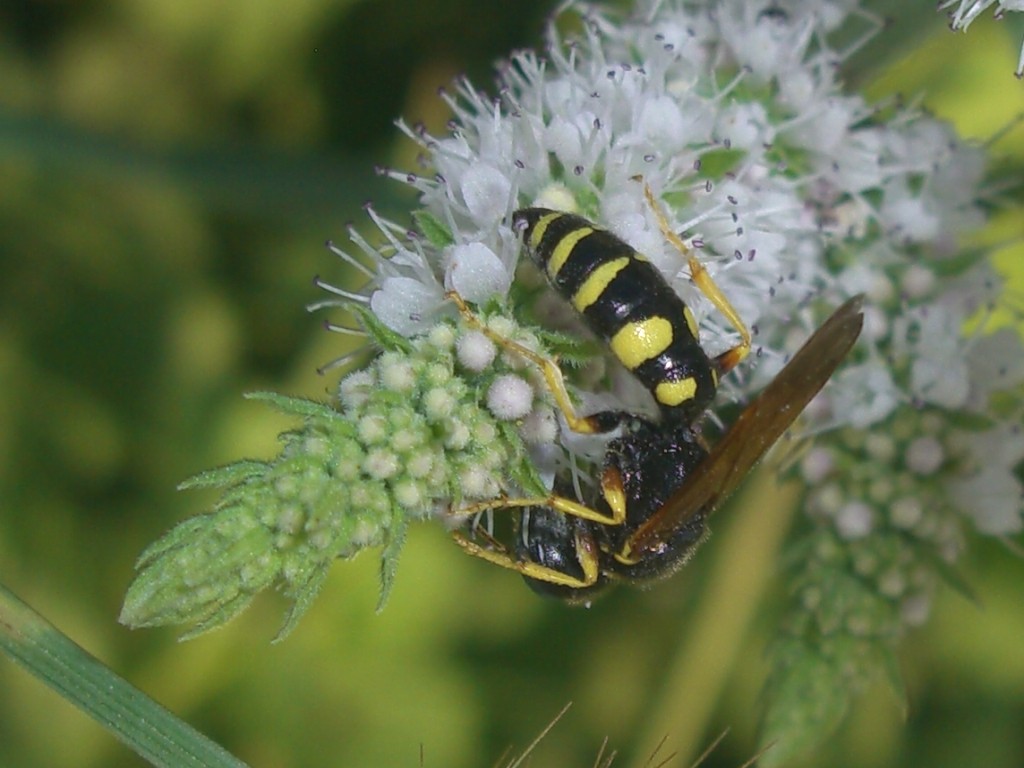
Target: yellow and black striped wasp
(659, 482)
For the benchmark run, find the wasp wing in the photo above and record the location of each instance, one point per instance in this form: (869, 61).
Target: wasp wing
(762, 422)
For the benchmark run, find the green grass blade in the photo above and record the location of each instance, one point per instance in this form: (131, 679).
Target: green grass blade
(137, 720)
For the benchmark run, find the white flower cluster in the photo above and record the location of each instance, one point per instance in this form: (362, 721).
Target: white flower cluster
(795, 195)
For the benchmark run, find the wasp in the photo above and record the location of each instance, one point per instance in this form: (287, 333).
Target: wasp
(659, 481)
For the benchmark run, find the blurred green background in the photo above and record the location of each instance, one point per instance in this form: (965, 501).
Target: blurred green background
(168, 173)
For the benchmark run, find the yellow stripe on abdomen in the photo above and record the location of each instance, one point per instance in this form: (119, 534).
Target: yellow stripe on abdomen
(637, 342)
(673, 393)
(597, 281)
(563, 250)
(537, 233)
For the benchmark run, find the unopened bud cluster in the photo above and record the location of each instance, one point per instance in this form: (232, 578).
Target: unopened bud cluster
(882, 519)
(417, 433)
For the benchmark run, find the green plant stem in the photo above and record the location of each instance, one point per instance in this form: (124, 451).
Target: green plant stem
(137, 720)
(740, 577)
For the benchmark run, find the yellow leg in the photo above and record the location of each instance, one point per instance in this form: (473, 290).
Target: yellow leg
(586, 555)
(548, 367)
(730, 358)
(558, 503)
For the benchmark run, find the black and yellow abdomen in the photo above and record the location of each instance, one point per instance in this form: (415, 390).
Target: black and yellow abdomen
(626, 302)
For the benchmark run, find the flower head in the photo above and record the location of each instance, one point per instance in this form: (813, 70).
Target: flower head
(793, 193)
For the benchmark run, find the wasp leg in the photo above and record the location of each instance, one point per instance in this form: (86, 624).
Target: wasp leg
(548, 366)
(729, 359)
(586, 555)
(611, 488)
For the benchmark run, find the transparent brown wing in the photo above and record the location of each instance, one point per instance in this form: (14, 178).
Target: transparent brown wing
(762, 423)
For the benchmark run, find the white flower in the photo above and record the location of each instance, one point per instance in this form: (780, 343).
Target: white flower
(992, 495)
(992, 498)
(996, 362)
(854, 520)
(862, 395)
(509, 397)
(476, 272)
(407, 305)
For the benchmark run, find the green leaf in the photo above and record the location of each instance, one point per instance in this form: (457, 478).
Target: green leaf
(389, 560)
(222, 614)
(716, 163)
(521, 470)
(303, 597)
(807, 698)
(946, 571)
(146, 727)
(295, 406)
(568, 349)
(385, 338)
(229, 474)
(180, 534)
(892, 674)
(969, 422)
(437, 234)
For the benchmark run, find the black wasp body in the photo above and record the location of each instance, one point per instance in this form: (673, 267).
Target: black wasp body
(626, 301)
(658, 483)
(653, 460)
(628, 304)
